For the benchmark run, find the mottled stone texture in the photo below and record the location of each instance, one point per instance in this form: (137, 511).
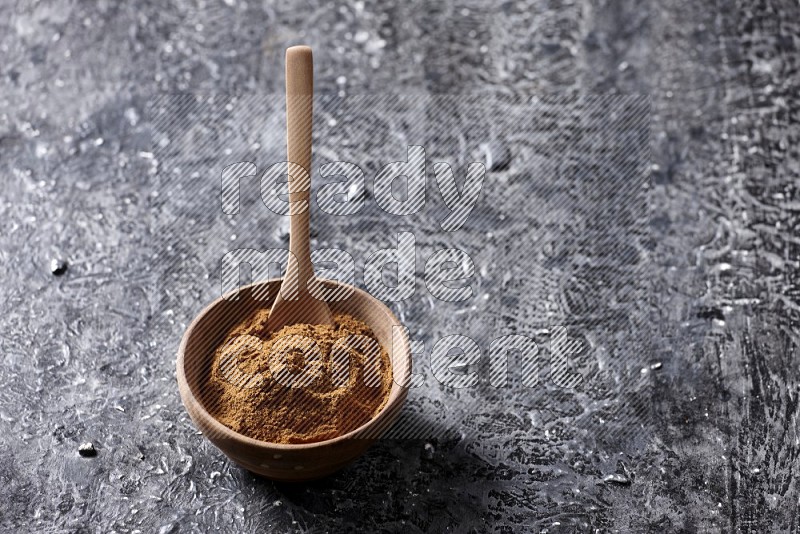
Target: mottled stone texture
(709, 441)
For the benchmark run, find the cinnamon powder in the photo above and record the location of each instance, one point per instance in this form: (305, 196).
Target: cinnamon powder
(302, 384)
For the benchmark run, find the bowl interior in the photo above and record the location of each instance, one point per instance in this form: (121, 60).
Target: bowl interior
(210, 328)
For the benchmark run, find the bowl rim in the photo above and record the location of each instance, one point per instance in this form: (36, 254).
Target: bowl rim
(397, 393)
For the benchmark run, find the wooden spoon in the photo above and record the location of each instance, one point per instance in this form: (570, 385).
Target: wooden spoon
(294, 303)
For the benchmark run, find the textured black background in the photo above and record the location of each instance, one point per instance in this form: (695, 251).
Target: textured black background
(711, 440)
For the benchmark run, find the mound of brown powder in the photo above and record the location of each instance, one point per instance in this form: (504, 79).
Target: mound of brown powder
(302, 384)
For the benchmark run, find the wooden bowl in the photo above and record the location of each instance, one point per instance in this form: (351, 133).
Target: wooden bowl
(287, 462)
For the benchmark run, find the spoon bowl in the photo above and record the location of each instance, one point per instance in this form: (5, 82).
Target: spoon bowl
(277, 461)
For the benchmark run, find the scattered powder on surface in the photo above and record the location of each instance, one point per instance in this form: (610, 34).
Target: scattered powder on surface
(287, 395)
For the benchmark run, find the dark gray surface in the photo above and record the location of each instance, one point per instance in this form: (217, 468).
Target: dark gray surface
(711, 441)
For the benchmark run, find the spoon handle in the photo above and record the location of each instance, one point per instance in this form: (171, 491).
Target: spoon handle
(299, 97)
